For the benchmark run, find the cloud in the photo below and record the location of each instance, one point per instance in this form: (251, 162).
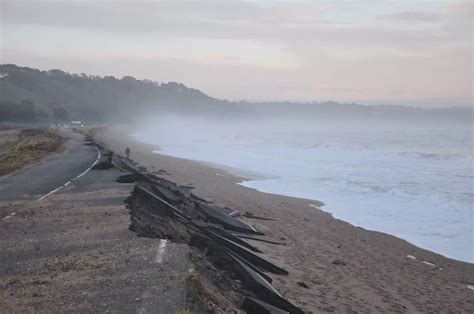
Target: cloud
(413, 16)
(203, 18)
(284, 22)
(236, 49)
(461, 10)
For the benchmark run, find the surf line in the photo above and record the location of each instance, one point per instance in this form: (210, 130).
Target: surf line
(77, 177)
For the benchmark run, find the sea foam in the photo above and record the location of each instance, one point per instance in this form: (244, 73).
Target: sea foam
(415, 183)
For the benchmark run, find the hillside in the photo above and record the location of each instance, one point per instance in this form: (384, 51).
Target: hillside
(28, 94)
(95, 98)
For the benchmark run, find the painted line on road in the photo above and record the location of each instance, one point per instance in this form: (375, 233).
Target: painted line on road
(88, 169)
(53, 191)
(161, 251)
(11, 215)
(148, 295)
(77, 177)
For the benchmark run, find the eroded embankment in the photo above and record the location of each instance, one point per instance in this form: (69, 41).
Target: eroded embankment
(227, 272)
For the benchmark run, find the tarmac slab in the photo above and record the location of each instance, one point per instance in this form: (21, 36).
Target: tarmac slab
(39, 179)
(73, 252)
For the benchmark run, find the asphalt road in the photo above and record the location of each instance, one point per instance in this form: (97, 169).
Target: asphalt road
(44, 177)
(73, 250)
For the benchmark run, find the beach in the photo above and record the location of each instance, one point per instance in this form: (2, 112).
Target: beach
(333, 266)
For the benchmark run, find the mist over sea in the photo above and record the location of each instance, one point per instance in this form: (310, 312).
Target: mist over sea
(411, 180)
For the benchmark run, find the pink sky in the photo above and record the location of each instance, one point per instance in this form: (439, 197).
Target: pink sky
(388, 52)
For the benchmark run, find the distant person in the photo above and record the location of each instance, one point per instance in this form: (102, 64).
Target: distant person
(127, 152)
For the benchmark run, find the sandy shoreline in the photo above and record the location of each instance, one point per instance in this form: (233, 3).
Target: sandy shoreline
(345, 267)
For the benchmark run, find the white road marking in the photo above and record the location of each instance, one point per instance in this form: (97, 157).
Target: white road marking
(233, 213)
(53, 191)
(428, 263)
(313, 205)
(470, 287)
(145, 296)
(148, 293)
(77, 177)
(411, 257)
(88, 169)
(161, 251)
(11, 215)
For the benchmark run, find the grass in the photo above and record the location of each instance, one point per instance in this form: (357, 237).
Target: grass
(25, 147)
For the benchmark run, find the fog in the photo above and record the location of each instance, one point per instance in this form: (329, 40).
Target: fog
(306, 125)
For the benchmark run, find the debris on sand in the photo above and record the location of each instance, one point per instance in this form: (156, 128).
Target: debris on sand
(160, 208)
(302, 284)
(253, 216)
(339, 262)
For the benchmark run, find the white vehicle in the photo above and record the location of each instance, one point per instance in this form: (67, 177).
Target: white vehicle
(77, 123)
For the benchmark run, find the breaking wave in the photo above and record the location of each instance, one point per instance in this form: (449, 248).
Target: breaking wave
(415, 184)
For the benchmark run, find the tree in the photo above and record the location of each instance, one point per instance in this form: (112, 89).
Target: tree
(59, 113)
(24, 111)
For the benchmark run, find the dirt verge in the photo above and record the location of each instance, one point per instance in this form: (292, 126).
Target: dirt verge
(26, 147)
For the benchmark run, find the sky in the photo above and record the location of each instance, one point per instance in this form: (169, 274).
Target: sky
(416, 52)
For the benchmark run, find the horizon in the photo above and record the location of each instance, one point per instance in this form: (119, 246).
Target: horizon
(236, 156)
(256, 102)
(416, 54)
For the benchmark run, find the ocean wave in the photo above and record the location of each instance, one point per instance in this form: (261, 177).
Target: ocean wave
(372, 182)
(422, 155)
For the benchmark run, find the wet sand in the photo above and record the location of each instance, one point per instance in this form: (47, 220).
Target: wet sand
(343, 268)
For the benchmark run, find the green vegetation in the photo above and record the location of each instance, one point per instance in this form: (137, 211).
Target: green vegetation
(20, 148)
(28, 95)
(24, 111)
(63, 96)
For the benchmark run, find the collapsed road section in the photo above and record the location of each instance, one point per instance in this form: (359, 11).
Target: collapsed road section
(225, 266)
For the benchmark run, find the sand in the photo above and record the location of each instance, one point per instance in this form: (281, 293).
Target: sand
(345, 268)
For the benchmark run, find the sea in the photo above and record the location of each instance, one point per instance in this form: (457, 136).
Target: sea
(413, 181)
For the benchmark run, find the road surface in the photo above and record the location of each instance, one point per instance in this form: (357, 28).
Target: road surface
(38, 180)
(73, 252)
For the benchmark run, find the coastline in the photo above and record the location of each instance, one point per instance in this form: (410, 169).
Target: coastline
(344, 267)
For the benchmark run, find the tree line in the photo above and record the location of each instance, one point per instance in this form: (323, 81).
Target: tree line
(30, 94)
